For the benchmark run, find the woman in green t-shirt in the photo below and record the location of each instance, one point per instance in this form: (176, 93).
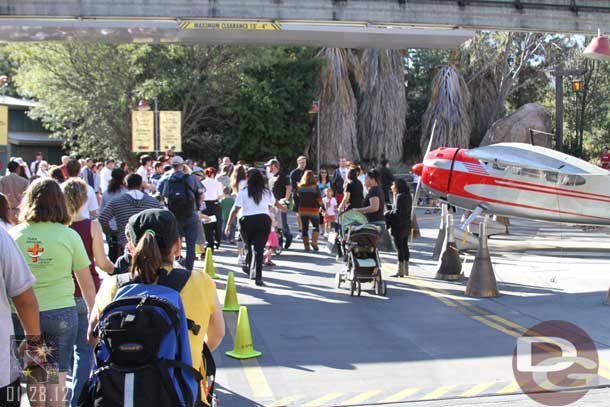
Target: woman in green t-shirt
(53, 251)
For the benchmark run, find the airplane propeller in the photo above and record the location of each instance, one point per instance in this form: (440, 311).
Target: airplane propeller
(418, 188)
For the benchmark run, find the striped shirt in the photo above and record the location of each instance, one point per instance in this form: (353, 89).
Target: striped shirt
(121, 209)
(309, 200)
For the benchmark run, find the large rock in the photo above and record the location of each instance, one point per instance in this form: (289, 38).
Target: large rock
(515, 127)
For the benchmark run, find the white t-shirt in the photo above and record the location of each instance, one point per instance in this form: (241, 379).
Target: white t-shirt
(15, 278)
(91, 204)
(5, 226)
(242, 184)
(249, 207)
(145, 174)
(105, 177)
(330, 206)
(213, 189)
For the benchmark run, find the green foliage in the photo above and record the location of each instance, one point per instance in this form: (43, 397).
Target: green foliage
(245, 102)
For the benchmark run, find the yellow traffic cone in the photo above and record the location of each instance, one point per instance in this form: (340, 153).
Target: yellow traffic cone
(209, 263)
(231, 303)
(243, 348)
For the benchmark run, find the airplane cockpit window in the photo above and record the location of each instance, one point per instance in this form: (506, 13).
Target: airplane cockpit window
(497, 166)
(573, 180)
(550, 176)
(530, 172)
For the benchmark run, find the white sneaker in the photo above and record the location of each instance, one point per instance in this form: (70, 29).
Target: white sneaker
(298, 237)
(241, 260)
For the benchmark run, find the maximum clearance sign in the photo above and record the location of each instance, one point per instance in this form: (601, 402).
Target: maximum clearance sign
(229, 25)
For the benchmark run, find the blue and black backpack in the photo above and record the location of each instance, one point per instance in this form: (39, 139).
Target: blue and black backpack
(144, 357)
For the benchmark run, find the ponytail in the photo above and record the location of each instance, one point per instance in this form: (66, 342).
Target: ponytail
(147, 259)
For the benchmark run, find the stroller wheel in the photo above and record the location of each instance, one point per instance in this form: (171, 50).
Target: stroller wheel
(338, 280)
(385, 289)
(359, 288)
(381, 288)
(352, 290)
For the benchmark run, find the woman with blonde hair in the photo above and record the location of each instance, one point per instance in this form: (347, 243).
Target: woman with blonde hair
(90, 232)
(53, 252)
(310, 201)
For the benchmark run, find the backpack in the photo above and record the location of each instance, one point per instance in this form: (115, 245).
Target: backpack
(180, 196)
(144, 357)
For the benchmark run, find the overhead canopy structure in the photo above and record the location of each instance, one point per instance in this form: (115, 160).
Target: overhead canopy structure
(340, 23)
(352, 35)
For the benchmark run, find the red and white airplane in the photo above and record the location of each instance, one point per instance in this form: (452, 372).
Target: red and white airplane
(518, 180)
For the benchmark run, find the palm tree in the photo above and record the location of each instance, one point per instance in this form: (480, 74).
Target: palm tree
(338, 106)
(449, 106)
(383, 105)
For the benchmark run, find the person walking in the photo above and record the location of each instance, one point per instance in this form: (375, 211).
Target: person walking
(295, 178)
(213, 194)
(323, 181)
(373, 203)
(115, 188)
(154, 242)
(386, 178)
(90, 232)
(13, 186)
(106, 175)
(124, 206)
(87, 173)
(53, 253)
(239, 182)
(310, 201)
(353, 192)
(74, 171)
(184, 197)
(281, 188)
(16, 281)
(339, 178)
(255, 223)
(399, 222)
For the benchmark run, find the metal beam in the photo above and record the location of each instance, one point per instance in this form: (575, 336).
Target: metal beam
(568, 16)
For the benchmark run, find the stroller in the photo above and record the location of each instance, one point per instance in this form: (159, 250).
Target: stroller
(357, 246)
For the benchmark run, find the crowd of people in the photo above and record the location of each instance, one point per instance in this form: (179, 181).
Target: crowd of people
(71, 223)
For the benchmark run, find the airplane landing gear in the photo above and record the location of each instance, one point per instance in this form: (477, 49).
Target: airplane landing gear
(482, 282)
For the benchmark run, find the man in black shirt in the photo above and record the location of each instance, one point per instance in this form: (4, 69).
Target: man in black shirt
(295, 178)
(281, 188)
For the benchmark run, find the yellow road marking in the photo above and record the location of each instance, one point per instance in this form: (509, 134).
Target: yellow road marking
(511, 388)
(362, 397)
(438, 393)
(400, 396)
(252, 370)
(478, 389)
(323, 400)
(285, 401)
(495, 326)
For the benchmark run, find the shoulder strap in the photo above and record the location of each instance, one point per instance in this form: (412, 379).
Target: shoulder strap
(123, 280)
(176, 280)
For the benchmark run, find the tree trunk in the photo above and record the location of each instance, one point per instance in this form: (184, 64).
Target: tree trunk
(383, 106)
(338, 108)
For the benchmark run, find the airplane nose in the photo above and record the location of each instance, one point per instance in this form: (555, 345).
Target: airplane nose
(417, 169)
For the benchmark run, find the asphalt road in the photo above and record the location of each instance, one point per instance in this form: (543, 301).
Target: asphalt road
(423, 344)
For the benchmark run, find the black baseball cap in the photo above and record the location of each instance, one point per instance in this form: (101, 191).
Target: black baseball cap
(160, 221)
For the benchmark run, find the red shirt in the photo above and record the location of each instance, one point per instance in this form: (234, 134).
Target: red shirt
(64, 171)
(606, 160)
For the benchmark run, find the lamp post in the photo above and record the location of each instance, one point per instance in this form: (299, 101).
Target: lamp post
(315, 108)
(559, 75)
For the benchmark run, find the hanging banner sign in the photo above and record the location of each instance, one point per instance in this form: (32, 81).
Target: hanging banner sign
(142, 131)
(229, 25)
(170, 130)
(3, 125)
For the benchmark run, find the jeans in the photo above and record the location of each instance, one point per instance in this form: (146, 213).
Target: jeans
(83, 353)
(59, 329)
(401, 244)
(255, 232)
(285, 227)
(231, 235)
(188, 230)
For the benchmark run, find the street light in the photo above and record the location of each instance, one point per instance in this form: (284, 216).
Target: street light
(577, 86)
(599, 48)
(315, 109)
